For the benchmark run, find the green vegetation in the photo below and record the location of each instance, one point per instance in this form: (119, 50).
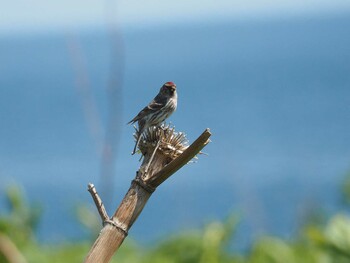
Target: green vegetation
(317, 242)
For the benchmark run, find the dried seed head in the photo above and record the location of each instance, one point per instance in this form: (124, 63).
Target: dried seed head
(171, 143)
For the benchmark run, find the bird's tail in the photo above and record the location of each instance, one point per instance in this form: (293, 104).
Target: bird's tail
(137, 143)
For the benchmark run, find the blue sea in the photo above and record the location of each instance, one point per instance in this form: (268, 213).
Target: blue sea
(275, 94)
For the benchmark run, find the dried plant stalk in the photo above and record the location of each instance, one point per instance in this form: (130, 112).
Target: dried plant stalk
(161, 148)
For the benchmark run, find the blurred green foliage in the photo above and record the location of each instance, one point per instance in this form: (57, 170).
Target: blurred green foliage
(317, 243)
(22, 220)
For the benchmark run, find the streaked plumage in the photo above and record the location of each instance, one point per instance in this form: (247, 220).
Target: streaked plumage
(159, 109)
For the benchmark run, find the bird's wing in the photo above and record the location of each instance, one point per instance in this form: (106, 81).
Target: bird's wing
(154, 106)
(151, 107)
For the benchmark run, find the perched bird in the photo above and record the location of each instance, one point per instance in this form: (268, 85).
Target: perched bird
(160, 108)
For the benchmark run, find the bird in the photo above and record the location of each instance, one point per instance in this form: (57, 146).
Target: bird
(159, 109)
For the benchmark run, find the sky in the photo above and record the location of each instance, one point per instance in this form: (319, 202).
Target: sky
(43, 15)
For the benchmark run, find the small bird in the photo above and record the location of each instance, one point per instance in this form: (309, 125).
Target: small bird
(160, 108)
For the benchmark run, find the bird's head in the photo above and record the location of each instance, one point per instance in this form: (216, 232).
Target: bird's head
(169, 88)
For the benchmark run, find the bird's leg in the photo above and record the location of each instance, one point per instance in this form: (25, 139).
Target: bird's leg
(137, 141)
(154, 152)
